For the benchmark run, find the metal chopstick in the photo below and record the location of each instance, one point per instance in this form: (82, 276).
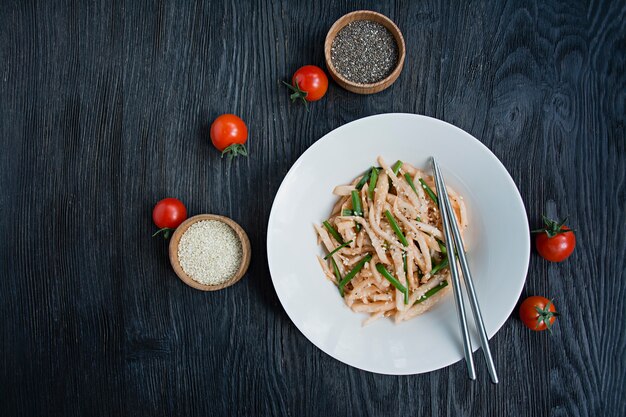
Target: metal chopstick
(456, 283)
(444, 202)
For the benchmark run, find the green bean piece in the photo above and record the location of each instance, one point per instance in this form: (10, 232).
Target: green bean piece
(408, 179)
(337, 249)
(333, 232)
(353, 273)
(396, 167)
(439, 266)
(418, 218)
(432, 292)
(372, 184)
(364, 179)
(336, 270)
(347, 213)
(387, 275)
(429, 191)
(396, 228)
(442, 247)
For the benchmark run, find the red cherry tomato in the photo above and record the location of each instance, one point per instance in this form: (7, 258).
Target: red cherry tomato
(229, 134)
(308, 83)
(555, 242)
(312, 80)
(168, 214)
(537, 313)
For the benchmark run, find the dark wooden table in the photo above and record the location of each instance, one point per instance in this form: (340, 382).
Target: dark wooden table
(105, 108)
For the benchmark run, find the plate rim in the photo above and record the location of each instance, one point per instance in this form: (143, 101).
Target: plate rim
(508, 179)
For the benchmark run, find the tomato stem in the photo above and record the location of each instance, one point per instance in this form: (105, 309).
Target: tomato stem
(234, 150)
(545, 316)
(298, 93)
(552, 227)
(167, 232)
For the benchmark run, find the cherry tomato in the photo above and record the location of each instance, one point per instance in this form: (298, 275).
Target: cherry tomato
(229, 134)
(538, 313)
(308, 83)
(555, 241)
(168, 214)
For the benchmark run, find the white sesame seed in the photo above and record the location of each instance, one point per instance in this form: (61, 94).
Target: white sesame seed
(210, 252)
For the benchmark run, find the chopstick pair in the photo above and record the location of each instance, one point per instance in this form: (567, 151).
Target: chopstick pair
(453, 238)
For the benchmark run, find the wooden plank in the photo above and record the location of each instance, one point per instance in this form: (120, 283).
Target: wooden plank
(105, 109)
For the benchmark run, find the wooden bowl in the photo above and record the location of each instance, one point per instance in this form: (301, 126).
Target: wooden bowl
(245, 255)
(376, 17)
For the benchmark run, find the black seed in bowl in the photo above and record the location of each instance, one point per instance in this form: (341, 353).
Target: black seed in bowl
(364, 52)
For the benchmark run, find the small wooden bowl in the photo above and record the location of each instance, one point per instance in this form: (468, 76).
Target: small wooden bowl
(378, 18)
(245, 255)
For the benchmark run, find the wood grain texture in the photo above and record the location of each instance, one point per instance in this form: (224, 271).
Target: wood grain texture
(104, 110)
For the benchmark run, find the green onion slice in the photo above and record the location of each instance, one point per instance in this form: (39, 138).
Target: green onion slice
(356, 207)
(396, 167)
(356, 204)
(387, 275)
(442, 247)
(337, 249)
(404, 261)
(372, 185)
(353, 273)
(364, 179)
(336, 270)
(333, 232)
(439, 266)
(408, 179)
(432, 292)
(396, 228)
(429, 191)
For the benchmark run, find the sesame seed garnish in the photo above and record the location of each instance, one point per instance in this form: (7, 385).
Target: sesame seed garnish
(210, 252)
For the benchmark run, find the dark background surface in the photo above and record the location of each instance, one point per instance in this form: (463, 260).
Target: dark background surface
(104, 109)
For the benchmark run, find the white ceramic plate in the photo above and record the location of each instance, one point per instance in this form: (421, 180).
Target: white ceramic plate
(498, 242)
